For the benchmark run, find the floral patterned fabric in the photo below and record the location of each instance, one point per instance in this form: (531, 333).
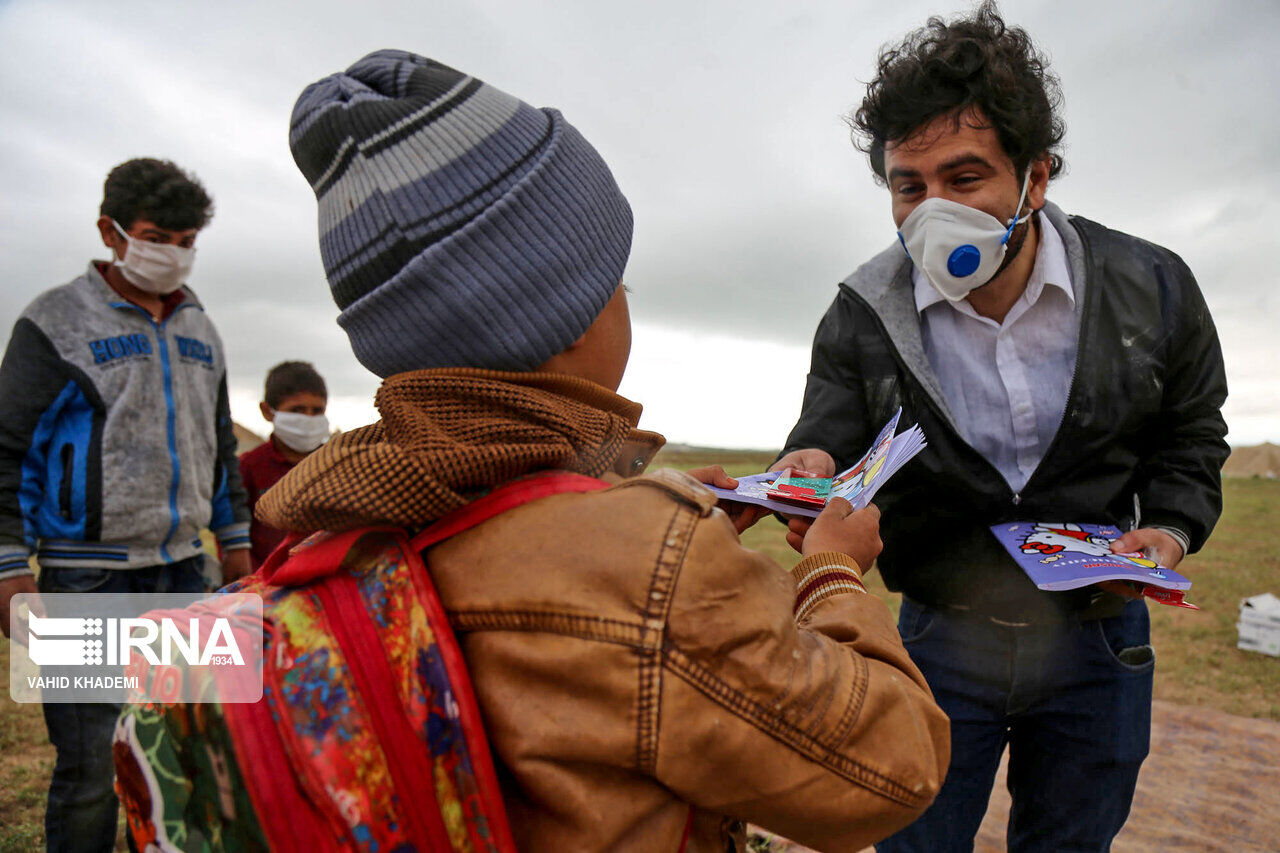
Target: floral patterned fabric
(187, 775)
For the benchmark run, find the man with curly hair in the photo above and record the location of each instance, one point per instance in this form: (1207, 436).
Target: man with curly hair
(1061, 371)
(116, 450)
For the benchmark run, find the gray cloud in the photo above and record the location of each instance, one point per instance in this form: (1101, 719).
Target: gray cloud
(722, 122)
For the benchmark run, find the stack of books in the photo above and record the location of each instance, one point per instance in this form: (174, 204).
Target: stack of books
(1259, 624)
(795, 493)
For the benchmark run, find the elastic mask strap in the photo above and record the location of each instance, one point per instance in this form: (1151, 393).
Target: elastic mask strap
(1015, 222)
(127, 239)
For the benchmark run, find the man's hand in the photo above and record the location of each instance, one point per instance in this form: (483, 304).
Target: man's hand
(741, 514)
(811, 461)
(841, 528)
(235, 565)
(1155, 544)
(8, 589)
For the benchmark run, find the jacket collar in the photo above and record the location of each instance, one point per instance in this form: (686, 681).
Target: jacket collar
(182, 297)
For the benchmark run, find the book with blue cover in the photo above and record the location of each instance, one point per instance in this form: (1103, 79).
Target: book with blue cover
(1059, 555)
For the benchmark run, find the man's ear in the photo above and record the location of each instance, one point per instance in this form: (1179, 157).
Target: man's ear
(267, 412)
(1039, 185)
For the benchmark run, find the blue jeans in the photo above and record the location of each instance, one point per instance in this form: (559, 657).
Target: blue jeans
(1071, 699)
(82, 809)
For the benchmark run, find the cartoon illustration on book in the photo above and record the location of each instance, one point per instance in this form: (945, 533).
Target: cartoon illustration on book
(865, 473)
(1052, 541)
(791, 494)
(1059, 555)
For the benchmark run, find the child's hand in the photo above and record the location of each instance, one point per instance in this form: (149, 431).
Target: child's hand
(236, 565)
(841, 528)
(741, 514)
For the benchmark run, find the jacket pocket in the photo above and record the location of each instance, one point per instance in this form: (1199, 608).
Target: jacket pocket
(68, 455)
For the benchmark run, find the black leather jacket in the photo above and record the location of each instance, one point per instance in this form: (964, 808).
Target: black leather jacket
(1142, 418)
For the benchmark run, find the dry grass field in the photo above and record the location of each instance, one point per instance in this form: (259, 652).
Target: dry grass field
(1199, 664)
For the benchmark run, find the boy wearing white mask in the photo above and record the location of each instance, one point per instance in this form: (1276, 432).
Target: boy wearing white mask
(116, 449)
(294, 402)
(1061, 370)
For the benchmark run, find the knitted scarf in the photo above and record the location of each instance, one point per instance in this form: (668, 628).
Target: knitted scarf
(447, 436)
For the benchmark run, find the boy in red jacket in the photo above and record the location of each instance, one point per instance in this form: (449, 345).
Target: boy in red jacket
(294, 402)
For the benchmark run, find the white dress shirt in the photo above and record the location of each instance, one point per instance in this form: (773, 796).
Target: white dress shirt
(1007, 383)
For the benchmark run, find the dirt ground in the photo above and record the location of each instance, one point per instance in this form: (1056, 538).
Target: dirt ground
(1210, 785)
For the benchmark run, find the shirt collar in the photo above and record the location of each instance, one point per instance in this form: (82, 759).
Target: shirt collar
(1051, 268)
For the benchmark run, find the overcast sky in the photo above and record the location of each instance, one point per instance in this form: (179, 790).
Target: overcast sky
(721, 121)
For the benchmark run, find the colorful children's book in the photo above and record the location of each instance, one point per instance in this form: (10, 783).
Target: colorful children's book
(791, 493)
(1065, 555)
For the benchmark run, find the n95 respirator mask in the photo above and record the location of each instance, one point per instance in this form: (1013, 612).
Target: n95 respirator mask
(957, 247)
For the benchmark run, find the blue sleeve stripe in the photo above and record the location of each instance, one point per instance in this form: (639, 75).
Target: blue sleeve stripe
(57, 554)
(223, 513)
(31, 492)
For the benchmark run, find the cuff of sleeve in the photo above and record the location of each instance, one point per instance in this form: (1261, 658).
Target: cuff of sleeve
(233, 537)
(14, 561)
(1183, 540)
(822, 576)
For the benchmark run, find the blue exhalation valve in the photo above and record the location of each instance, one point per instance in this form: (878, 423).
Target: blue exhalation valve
(964, 260)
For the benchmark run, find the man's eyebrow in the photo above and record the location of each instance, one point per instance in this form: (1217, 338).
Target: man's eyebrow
(953, 163)
(965, 160)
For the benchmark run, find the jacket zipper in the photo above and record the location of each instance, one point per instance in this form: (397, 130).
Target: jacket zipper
(411, 773)
(171, 422)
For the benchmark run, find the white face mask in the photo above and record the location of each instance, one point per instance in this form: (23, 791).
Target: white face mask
(154, 267)
(957, 247)
(303, 433)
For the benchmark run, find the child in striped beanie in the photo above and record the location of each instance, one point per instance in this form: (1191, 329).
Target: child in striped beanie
(645, 682)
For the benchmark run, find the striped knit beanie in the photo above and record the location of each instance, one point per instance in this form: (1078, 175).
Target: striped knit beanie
(459, 226)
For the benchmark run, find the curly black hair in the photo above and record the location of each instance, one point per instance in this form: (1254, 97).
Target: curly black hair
(292, 377)
(156, 190)
(945, 68)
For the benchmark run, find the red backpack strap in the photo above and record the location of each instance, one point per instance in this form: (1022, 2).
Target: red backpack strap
(301, 559)
(505, 498)
(495, 503)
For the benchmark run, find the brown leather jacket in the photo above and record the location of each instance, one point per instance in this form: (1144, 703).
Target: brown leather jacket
(631, 657)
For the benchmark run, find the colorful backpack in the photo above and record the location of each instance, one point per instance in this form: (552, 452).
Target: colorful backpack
(368, 736)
